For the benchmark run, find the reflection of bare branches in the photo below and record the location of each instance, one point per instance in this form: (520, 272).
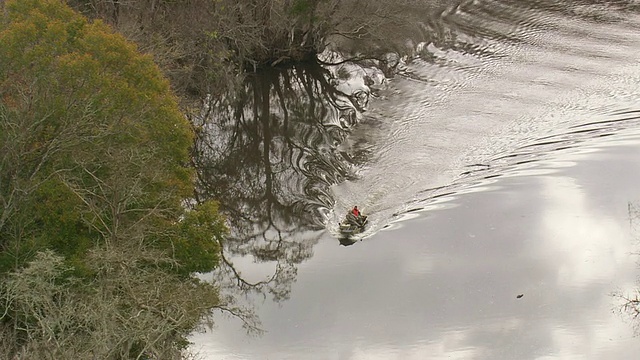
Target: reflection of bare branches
(250, 321)
(268, 154)
(263, 146)
(283, 250)
(244, 284)
(634, 214)
(629, 303)
(629, 306)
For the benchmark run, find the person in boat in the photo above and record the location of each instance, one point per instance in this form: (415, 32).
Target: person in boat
(354, 217)
(356, 212)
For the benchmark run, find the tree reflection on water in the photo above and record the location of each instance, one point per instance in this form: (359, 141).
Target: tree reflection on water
(269, 154)
(629, 301)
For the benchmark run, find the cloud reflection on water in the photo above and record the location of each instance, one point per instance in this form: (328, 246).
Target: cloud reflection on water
(444, 285)
(588, 244)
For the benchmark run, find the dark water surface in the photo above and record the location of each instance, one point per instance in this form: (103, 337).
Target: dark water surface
(504, 160)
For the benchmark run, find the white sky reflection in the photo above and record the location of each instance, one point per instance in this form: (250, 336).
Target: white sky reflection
(444, 285)
(587, 245)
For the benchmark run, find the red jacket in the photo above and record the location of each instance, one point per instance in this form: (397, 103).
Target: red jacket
(356, 212)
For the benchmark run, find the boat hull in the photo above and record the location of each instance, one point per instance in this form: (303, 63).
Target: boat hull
(347, 228)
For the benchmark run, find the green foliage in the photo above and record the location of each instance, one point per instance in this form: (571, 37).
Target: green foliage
(93, 186)
(300, 7)
(97, 143)
(193, 246)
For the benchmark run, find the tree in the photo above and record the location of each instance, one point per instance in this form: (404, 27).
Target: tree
(204, 46)
(93, 167)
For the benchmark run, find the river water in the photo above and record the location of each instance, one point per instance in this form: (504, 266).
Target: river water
(499, 168)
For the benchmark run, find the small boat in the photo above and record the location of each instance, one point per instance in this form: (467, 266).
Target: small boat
(349, 227)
